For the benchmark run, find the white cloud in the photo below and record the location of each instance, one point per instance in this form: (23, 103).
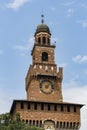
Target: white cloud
(16, 4)
(1, 52)
(75, 93)
(68, 3)
(63, 65)
(85, 71)
(53, 8)
(4, 103)
(80, 59)
(70, 12)
(7, 96)
(25, 47)
(84, 5)
(83, 23)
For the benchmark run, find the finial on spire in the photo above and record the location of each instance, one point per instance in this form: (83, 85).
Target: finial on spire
(42, 21)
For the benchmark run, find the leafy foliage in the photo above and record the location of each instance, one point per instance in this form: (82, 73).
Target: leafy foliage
(7, 123)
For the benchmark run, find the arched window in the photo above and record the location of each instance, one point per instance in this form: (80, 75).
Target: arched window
(39, 40)
(44, 56)
(33, 122)
(57, 126)
(60, 124)
(70, 125)
(40, 123)
(37, 123)
(43, 40)
(48, 40)
(26, 121)
(30, 122)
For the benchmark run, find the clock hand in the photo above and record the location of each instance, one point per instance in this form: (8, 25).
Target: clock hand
(47, 85)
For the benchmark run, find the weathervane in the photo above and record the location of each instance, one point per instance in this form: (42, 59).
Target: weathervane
(42, 18)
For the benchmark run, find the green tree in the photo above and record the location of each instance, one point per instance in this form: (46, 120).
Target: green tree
(7, 123)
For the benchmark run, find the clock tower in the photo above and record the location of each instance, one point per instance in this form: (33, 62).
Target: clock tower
(44, 106)
(43, 80)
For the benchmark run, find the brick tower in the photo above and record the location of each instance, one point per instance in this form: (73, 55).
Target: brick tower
(44, 106)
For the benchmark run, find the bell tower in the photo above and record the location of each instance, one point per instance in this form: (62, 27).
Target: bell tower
(43, 80)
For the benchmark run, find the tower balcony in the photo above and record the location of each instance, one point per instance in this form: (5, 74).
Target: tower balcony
(40, 69)
(43, 68)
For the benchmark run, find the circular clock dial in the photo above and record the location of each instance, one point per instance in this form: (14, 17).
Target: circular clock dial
(46, 86)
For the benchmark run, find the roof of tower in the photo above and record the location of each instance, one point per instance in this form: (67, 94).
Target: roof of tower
(42, 27)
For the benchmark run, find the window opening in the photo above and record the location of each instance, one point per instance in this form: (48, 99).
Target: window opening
(28, 105)
(35, 106)
(22, 105)
(74, 108)
(48, 107)
(44, 56)
(48, 40)
(44, 40)
(42, 106)
(55, 107)
(39, 40)
(68, 108)
(62, 109)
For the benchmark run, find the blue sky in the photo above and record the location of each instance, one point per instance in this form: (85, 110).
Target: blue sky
(67, 20)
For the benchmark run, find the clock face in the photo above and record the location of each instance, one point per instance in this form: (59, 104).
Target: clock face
(46, 86)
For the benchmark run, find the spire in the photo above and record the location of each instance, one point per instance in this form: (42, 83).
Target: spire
(42, 21)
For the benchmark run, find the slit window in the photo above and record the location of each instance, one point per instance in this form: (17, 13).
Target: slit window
(22, 105)
(62, 108)
(35, 106)
(68, 108)
(74, 108)
(42, 106)
(55, 107)
(28, 105)
(48, 107)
